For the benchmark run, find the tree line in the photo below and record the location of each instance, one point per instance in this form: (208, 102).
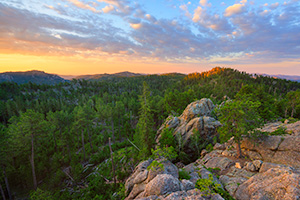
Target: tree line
(54, 139)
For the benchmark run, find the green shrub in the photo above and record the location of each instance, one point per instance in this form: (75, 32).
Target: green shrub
(40, 194)
(224, 194)
(214, 170)
(156, 166)
(168, 153)
(209, 147)
(206, 185)
(184, 158)
(291, 120)
(209, 186)
(167, 138)
(280, 131)
(183, 174)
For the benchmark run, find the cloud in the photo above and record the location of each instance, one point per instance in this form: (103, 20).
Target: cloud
(197, 14)
(167, 40)
(211, 21)
(274, 5)
(136, 26)
(234, 9)
(204, 3)
(108, 9)
(29, 32)
(137, 34)
(269, 36)
(117, 3)
(265, 12)
(150, 18)
(124, 7)
(186, 10)
(80, 4)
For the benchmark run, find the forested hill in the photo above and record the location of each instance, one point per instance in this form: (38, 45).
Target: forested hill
(55, 137)
(34, 76)
(107, 76)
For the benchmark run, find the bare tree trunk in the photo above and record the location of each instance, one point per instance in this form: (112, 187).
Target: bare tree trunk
(112, 161)
(2, 192)
(119, 126)
(90, 139)
(238, 149)
(54, 138)
(285, 112)
(82, 140)
(292, 114)
(32, 164)
(69, 152)
(7, 184)
(113, 130)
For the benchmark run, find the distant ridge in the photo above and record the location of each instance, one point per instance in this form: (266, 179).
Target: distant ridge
(287, 77)
(108, 76)
(33, 76)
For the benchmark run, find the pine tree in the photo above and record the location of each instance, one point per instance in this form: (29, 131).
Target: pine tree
(293, 101)
(239, 117)
(26, 132)
(144, 135)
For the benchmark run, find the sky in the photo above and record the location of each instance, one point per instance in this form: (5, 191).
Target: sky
(73, 37)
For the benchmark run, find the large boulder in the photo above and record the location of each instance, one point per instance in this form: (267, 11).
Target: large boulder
(168, 168)
(135, 185)
(195, 118)
(292, 128)
(219, 162)
(283, 149)
(274, 184)
(198, 108)
(163, 184)
(139, 175)
(205, 125)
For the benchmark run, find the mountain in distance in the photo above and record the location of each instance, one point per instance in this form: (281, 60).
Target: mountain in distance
(68, 77)
(287, 77)
(108, 76)
(40, 77)
(33, 76)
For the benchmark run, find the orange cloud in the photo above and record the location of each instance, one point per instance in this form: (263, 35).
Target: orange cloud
(204, 3)
(108, 9)
(79, 4)
(197, 14)
(136, 26)
(234, 9)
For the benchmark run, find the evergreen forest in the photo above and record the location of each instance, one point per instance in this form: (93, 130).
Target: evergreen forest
(82, 139)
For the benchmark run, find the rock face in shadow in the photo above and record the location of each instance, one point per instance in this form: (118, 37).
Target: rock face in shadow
(195, 118)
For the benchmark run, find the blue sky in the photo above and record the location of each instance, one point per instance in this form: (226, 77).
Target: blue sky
(152, 35)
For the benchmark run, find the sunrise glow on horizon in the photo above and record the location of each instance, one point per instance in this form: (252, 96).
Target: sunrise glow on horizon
(75, 37)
